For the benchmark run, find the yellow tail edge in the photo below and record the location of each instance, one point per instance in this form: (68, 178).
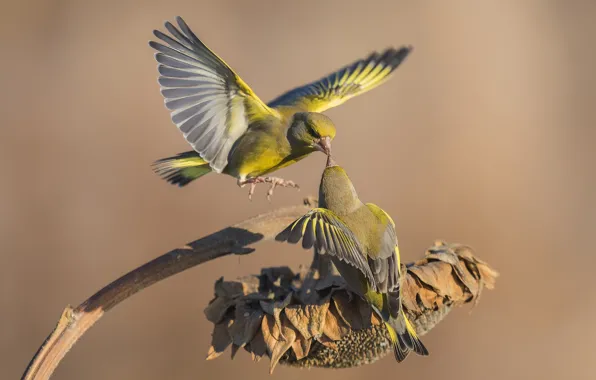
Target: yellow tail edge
(181, 169)
(406, 340)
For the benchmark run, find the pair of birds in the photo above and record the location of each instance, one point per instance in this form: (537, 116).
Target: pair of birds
(233, 132)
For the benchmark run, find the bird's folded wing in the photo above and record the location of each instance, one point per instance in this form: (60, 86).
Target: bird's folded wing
(209, 103)
(323, 229)
(349, 81)
(385, 264)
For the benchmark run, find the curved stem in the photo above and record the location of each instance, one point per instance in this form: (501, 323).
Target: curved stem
(75, 322)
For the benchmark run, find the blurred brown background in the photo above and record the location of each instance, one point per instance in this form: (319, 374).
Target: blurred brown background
(485, 136)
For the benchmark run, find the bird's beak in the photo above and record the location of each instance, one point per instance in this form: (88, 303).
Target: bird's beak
(330, 162)
(324, 145)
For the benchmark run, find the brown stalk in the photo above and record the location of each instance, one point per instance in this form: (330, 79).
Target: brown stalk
(235, 239)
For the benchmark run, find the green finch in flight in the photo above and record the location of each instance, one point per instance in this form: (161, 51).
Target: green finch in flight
(231, 130)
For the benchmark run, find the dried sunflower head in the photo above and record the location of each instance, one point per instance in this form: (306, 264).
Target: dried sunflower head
(310, 318)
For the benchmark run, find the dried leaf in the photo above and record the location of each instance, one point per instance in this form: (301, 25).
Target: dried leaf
(447, 255)
(439, 243)
(298, 278)
(335, 327)
(288, 336)
(257, 346)
(427, 298)
(278, 307)
(278, 276)
(275, 307)
(217, 309)
(433, 275)
(235, 348)
(307, 294)
(466, 252)
(409, 290)
(354, 312)
(301, 346)
(481, 270)
(365, 311)
(246, 323)
(488, 275)
(229, 289)
(220, 340)
(327, 342)
(330, 282)
(250, 284)
(480, 274)
(270, 332)
(308, 319)
(473, 286)
(267, 306)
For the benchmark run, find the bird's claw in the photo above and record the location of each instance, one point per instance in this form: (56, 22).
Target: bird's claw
(279, 182)
(274, 181)
(251, 191)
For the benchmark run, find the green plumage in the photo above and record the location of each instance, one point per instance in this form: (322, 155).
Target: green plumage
(181, 169)
(361, 240)
(230, 129)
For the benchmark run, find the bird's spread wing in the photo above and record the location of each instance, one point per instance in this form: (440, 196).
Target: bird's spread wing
(323, 229)
(385, 265)
(351, 80)
(209, 103)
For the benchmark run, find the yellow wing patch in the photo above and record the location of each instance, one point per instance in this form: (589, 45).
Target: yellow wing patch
(380, 213)
(349, 81)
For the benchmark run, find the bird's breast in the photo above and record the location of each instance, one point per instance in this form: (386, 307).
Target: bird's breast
(262, 149)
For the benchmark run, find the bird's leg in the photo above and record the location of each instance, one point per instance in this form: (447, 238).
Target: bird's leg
(253, 184)
(274, 181)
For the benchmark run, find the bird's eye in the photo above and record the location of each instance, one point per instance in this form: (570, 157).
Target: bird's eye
(312, 131)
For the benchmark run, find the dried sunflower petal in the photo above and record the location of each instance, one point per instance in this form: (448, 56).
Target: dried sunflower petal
(283, 342)
(306, 319)
(301, 347)
(335, 327)
(246, 323)
(220, 339)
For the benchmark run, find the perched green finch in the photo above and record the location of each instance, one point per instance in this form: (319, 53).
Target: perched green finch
(231, 130)
(360, 240)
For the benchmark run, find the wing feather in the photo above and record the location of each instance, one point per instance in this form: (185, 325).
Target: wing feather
(209, 103)
(385, 264)
(347, 82)
(323, 228)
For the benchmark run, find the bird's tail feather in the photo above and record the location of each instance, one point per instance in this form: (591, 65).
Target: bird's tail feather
(181, 169)
(404, 338)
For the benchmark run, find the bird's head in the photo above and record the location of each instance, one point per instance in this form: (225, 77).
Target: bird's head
(313, 131)
(336, 191)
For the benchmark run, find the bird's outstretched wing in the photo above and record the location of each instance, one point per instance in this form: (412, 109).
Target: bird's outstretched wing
(209, 102)
(347, 82)
(322, 228)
